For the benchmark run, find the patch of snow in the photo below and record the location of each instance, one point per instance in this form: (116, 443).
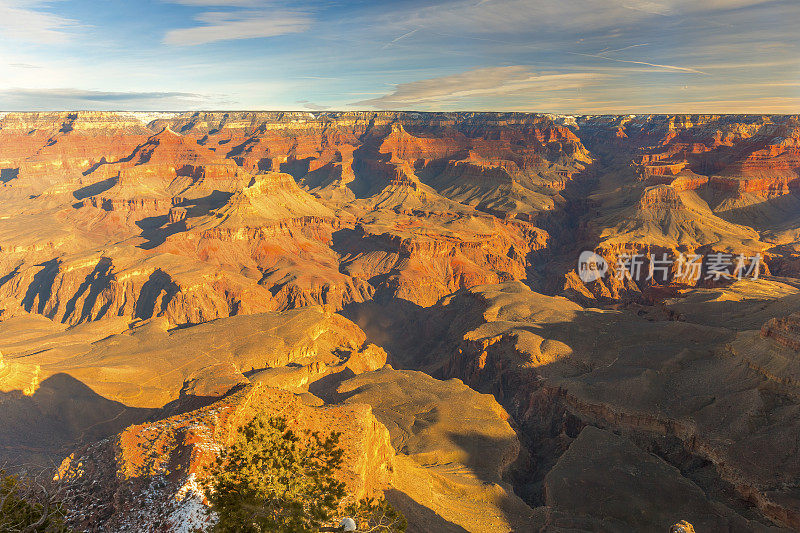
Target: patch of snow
(146, 117)
(191, 514)
(565, 120)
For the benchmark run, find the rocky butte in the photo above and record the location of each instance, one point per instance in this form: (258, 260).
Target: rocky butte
(409, 279)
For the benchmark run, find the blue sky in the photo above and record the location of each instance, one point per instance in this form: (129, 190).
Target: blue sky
(561, 56)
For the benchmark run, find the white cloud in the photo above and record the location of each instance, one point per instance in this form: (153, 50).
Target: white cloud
(25, 20)
(256, 20)
(483, 82)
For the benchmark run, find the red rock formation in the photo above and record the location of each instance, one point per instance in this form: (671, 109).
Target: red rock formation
(768, 187)
(760, 152)
(42, 149)
(166, 170)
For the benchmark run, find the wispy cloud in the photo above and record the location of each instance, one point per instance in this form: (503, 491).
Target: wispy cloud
(673, 7)
(504, 16)
(71, 98)
(312, 106)
(257, 20)
(484, 82)
(28, 20)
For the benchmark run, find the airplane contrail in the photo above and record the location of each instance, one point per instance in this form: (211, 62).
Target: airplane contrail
(669, 67)
(390, 43)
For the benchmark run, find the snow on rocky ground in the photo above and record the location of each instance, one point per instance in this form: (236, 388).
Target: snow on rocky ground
(190, 513)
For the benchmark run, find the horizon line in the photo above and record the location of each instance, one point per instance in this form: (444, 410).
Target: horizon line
(341, 111)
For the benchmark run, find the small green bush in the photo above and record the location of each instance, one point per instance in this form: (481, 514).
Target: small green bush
(272, 479)
(27, 506)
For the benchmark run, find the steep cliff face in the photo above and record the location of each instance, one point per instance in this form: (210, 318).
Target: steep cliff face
(41, 150)
(168, 169)
(750, 151)
(75, 290)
